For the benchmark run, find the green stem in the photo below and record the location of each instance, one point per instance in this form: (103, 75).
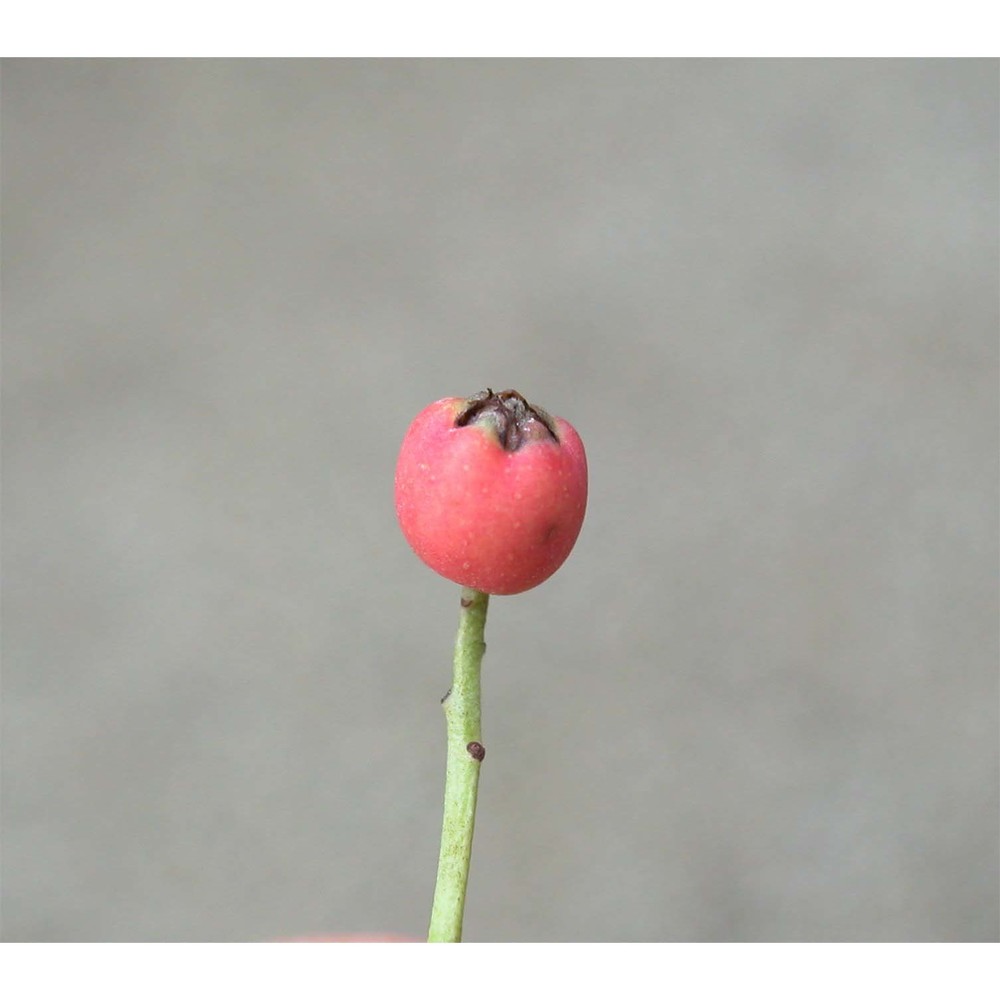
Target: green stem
(465, 752)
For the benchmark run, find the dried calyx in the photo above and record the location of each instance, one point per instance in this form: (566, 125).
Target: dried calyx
(512, 417)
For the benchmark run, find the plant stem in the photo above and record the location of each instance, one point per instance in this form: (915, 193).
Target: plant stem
(465, 753)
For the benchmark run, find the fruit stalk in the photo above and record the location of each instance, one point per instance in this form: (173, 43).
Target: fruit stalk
(465, 755)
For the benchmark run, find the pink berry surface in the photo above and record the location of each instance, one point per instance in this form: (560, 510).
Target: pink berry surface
(490, 491)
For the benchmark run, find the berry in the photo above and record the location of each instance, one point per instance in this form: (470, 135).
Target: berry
(491, 491)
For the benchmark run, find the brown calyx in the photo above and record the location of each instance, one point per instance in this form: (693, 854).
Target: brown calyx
(511, 416)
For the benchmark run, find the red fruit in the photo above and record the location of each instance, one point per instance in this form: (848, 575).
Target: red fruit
(491, 491)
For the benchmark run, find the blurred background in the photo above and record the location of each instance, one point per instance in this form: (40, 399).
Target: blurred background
(758, 703)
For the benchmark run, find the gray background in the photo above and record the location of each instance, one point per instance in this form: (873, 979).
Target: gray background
(760, 700)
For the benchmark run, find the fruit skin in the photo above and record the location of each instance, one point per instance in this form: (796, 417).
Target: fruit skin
(501, 521)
